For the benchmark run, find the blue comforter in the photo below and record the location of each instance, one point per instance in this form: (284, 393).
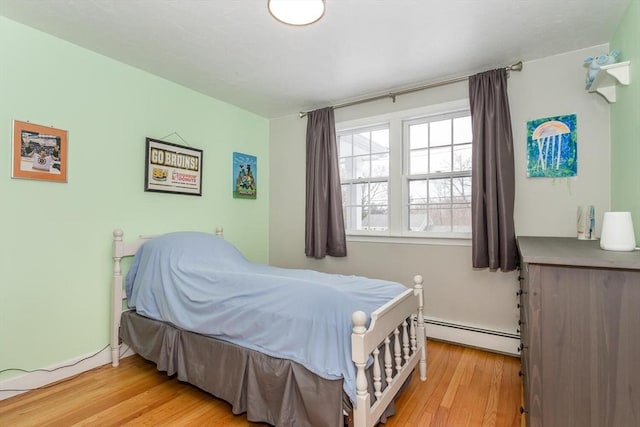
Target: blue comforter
(201, 283)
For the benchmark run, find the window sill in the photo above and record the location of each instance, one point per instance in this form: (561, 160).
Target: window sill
(458, 240)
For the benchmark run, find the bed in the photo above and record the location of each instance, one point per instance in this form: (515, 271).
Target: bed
(287, 347)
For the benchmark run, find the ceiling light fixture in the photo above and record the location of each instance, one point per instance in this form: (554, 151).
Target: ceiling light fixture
(296, 12)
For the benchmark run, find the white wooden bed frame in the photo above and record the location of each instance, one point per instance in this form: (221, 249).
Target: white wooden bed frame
(403, 341)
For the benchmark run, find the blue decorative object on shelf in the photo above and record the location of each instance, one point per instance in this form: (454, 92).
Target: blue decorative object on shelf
(594, 64)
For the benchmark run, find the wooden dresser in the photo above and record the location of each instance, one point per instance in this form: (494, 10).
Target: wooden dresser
(579, 333)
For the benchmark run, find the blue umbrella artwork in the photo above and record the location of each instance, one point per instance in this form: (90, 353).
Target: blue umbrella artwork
(552, 147)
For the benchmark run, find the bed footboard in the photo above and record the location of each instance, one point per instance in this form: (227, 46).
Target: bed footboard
(397, 331)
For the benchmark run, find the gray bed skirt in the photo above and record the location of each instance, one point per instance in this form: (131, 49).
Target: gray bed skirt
(270, 390)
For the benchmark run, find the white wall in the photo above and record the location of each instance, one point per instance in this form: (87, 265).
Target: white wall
(455, 292)
(549, 87)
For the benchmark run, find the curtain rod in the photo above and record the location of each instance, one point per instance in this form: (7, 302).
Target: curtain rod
(513, 67)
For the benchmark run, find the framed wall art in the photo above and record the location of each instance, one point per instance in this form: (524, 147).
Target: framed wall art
(172, 168)
(39, 152)
(245, 176)
(552, 147)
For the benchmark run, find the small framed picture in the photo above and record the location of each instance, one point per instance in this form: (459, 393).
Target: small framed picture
(39, 152)
(245, 176)
(172, 168)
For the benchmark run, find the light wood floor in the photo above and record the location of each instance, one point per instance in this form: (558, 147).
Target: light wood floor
(465, 387)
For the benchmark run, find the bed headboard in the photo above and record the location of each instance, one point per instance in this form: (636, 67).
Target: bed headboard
(123, 249)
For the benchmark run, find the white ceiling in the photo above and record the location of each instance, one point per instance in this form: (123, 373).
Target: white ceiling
(233, 50)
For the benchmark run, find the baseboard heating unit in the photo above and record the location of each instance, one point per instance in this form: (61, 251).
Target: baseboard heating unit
(472, 336)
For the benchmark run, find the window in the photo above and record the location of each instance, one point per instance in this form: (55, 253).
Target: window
(364, 174)
(438, 172)
(408, 173)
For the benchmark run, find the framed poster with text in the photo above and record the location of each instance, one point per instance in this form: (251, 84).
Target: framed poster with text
(172, 168)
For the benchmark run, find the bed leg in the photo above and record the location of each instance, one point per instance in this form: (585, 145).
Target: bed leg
(348, 419)
(115, 357)
(116, 297)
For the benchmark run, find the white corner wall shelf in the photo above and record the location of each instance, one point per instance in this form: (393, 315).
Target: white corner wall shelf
(608, 77)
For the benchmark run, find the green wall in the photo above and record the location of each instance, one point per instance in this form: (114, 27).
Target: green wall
(625, 122)
(56, 238)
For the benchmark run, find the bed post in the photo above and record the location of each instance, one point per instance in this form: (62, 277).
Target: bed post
(421, 330)
(116, 292)
(363, 400)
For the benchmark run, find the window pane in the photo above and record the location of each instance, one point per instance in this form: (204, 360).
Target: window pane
(440, 218)
(418, 218)
(364, 218)
(418, 161)
(362, 194)
(379, 193)
(418, 136)
(378, 218)
(362, 165)
(440, 133)
(346, 168)
(380, 141)
(347, 194)
(358, 215)
(417, 192)
(461, 189)
(440, 160)
(380, 165)
(352, 219)
(440, 190)
(361, 143)
(345, 145)
(346, 213)
(462, 130)
(462, 157)
(461, 221)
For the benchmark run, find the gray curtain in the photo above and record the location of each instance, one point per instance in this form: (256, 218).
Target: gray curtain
(493, 178)
(324, 228)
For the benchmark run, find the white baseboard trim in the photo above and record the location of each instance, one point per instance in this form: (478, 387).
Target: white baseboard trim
(23, 383)
(472, 336)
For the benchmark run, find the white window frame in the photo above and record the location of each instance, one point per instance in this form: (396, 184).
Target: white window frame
(365, 180)
(398, 186)
(407, 177)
